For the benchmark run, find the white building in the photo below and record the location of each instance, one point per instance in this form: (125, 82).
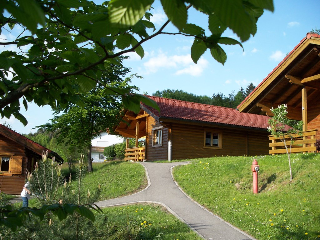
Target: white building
(100, 142)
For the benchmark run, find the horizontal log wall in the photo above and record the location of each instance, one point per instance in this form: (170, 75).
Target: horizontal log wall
(314, 119)
(188, 142)
(12, 183)
(158, 152)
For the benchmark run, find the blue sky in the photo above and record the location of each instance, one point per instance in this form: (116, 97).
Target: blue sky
(167, 63)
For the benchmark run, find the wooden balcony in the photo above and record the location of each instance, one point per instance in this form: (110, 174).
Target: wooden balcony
(302, 143)
(135, 154)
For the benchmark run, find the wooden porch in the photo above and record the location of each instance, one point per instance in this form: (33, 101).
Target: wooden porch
(135, 154)
(133, 126)
(304, 143)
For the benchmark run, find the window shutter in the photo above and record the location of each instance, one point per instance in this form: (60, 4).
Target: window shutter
(15, 165)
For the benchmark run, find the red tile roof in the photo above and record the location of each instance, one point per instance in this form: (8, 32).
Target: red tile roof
(189, 111)
(26, 142)
(309, 35)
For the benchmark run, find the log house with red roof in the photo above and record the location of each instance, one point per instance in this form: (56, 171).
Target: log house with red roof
(18, 156)
(186, 130)
(296, 83)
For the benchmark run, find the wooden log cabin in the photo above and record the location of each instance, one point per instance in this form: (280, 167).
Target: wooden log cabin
(18, 156)
(296, 83)
(185, 130)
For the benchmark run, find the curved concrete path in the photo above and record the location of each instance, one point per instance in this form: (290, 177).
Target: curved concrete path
(162, 189)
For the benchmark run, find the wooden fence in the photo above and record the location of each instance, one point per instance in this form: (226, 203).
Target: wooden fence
(302, 143)
(135, 154)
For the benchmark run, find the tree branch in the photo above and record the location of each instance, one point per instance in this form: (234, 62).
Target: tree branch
(7, 43)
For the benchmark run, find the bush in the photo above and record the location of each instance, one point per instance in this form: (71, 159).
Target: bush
(109, 152)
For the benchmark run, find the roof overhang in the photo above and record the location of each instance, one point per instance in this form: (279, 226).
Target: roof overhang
(299, 69)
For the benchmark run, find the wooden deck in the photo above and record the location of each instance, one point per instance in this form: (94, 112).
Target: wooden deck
(302, 143)
(135, 154)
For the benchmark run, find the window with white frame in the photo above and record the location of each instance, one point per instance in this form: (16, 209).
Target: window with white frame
(157, 137)
(4, 164)
(212, 139)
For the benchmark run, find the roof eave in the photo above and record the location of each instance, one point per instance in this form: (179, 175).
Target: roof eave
(169, 119)
(249, 101)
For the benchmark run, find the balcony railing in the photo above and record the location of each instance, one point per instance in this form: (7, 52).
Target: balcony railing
(301, 144)
(135, 154)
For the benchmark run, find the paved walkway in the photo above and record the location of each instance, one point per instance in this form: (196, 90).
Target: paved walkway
(162, 189)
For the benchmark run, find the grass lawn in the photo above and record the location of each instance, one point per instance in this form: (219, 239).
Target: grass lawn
(281, 210)
(116, 178)
(145, 221)
(138, 221)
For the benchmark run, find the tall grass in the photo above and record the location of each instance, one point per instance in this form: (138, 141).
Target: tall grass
(281, 210)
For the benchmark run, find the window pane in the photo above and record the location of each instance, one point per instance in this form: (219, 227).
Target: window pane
(160, 137)
(215, 139)
(208, 139)
(5, 164)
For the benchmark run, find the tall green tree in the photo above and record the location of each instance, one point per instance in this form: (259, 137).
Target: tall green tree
(78, 125)
(64, 46)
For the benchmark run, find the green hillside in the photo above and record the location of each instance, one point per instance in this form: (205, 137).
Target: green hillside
(281, 210)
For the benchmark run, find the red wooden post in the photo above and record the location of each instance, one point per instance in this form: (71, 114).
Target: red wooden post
(255, 170)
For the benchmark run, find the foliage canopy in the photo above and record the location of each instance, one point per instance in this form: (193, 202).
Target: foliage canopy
(63, 47)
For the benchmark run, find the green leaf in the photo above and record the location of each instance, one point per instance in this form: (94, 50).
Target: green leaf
(218, 54)
(90, 55)
(233, 15)
(176, 11)
(86, 84)
(215, 25)
(264, 4)
(198, 48)
(128, 12)
(149, 102)
(63, 13)
(60, 213)
(139, 50)
(123, 41)
(72, 3)
(131, 103)
(106, 40)
(25, 104)
(86, 212)
(20, 117)
(148, 24)
(3, 87)
(193, 29)
(100, 29)
(229, 41)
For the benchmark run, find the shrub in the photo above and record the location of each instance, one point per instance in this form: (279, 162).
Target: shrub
(109, 152)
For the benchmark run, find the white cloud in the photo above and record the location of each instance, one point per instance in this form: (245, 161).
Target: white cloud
(183, 64)
(254, 50)
(227, 82)
(194, 69)
(132, 56)
(158, 17)
(293, 24)
(277, 56)
(284, 33)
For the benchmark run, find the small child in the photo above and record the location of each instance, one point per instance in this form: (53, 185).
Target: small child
(25, 194)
